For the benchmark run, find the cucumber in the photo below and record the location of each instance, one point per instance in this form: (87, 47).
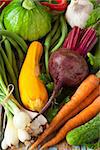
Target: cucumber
(86, 133)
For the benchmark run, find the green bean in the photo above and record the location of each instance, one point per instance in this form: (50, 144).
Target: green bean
(54, 18)
(15, 68)
(6, 42)
(10, 71)
(3, 70)
(3, 86)
(8, 51)
(15, 37)
(2, 40)
(56, 36)
(54, 44)
(47, 44)
(63, 31)
(1, 62)
(18, 49)
(55, 28)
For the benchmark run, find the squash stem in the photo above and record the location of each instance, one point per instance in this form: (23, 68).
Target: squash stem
(28, 4)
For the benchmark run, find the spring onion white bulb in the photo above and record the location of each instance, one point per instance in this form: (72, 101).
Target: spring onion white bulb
(37, 125)
(4, 144)
(42, 120)
(21, 120)
(11, 133)
(23, 135)
(37, 131)
(31, 113)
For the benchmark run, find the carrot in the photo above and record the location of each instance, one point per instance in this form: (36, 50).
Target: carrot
(86, 87)
(84, 116)
(83, 105)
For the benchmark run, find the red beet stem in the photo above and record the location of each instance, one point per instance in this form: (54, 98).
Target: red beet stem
(80, 40)
(84, 36)
(92, 40)
(76, 39)
(90, 45)
(70, 41)
(88, 40)
(66, 40)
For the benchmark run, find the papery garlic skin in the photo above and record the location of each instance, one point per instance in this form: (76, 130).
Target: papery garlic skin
(23, 135)
(78, 12)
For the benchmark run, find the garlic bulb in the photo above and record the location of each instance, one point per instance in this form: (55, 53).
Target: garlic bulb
(78, 12)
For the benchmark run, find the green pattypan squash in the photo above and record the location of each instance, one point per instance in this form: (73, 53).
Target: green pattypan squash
(27, 18)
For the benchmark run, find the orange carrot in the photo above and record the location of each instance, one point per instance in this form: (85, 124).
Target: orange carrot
(86, 87)
(83, 105)
(84, 116)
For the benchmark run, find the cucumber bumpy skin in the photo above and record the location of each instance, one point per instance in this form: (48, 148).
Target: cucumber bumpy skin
(86, 133)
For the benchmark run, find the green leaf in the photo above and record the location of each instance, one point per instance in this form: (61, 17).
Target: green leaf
(94, 17)
(44, 78)
(52, 113)
(50, 86)
(94, 59)
(95, 3)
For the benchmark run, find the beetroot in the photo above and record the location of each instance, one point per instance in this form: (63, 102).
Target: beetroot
(67, 68)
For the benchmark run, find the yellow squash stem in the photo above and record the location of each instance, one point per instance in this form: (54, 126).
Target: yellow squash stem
(32, 90)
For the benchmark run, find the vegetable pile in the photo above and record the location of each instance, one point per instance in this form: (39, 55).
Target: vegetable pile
(49, 73)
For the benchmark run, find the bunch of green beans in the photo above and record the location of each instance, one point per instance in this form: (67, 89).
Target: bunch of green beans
(55, 38)
(12, 51)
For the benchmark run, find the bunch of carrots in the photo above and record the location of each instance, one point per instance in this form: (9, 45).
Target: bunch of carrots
(83, 106)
